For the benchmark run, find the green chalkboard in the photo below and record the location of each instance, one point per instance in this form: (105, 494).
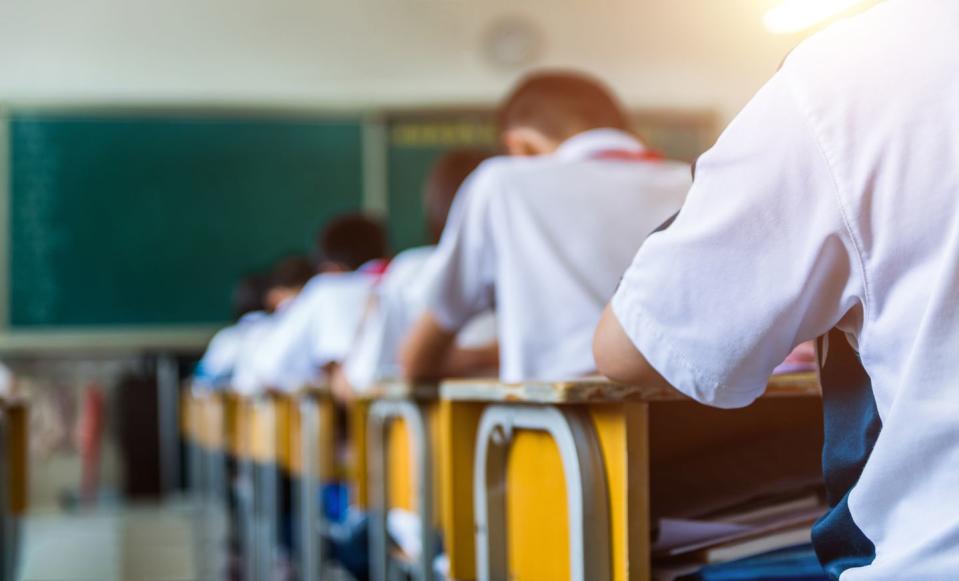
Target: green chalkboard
(415, 142)
(149, 220)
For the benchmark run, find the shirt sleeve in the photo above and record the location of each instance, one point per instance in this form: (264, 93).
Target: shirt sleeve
(758, 260)
(464, 260)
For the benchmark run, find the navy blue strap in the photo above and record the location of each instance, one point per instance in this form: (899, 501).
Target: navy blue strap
(852, 426)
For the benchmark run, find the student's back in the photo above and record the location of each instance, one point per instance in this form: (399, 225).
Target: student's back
(881, 97)
(401, 296)
(547, 238)
(216, 369)
(833, 200)
(545, 234)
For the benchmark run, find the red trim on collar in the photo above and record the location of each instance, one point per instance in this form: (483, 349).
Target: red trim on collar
(636, 156)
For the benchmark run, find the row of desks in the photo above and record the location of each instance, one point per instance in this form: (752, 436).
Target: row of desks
(536, 480)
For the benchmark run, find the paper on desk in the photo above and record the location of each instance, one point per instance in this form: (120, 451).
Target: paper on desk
(801, 360)
(677, 532)
(404, 528)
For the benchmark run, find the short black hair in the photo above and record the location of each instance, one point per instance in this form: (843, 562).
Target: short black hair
(448, 174)
(249, 294)
(292, 272)
(561, 104)
(351, 240)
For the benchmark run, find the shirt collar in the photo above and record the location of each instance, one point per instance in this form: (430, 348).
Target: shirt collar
(596, 141)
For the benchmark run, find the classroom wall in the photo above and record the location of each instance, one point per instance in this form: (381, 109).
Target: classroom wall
(676, 53)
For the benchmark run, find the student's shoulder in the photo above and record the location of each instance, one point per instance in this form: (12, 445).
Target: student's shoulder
(498, 175)
(672, 169)
(503, 166)
(327, 283)
(411, 256)
(867, 53)
(408, 261)
(225, 335)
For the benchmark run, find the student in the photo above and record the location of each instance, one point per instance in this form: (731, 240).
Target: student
(400, 296)
(318, 327)
(545, 233)
(215, 369)
(832, 200)
(285, 282)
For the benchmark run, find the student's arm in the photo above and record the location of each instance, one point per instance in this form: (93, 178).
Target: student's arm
(759, 260)
(618, 359)
(462, 286)
(469, 361)
(427, 347)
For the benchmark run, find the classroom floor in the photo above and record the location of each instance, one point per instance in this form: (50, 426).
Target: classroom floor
(169, 542)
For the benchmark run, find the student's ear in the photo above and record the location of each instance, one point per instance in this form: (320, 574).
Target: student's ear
(526, 141)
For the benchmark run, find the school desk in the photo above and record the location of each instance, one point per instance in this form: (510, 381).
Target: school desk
(399, 427)
(191, 426)
(564, 480)
(210, 412)
(264, 425)
(310, 462)
(294, 434)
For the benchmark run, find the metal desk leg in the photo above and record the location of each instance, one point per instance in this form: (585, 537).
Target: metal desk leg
(586, 490)
(246, 498)
(381, 413)
(266, 500)
(196, 477)
(310, 517)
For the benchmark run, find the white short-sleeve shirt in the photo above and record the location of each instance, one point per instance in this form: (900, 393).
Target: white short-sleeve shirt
(394, 304)
(545, 240)
(245, 380)
(833, 200)
(397, 302)
(215, 369)
(318, 327)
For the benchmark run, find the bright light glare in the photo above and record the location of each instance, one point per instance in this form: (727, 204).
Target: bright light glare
(796, 15)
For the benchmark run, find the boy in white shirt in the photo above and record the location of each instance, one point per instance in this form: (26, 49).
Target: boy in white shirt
(317, 328)
(832, 200)
(284, 283)
(545, 234)
(215, 369)
(400, 297)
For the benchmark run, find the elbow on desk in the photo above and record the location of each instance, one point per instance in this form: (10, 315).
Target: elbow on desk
(618, 359)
